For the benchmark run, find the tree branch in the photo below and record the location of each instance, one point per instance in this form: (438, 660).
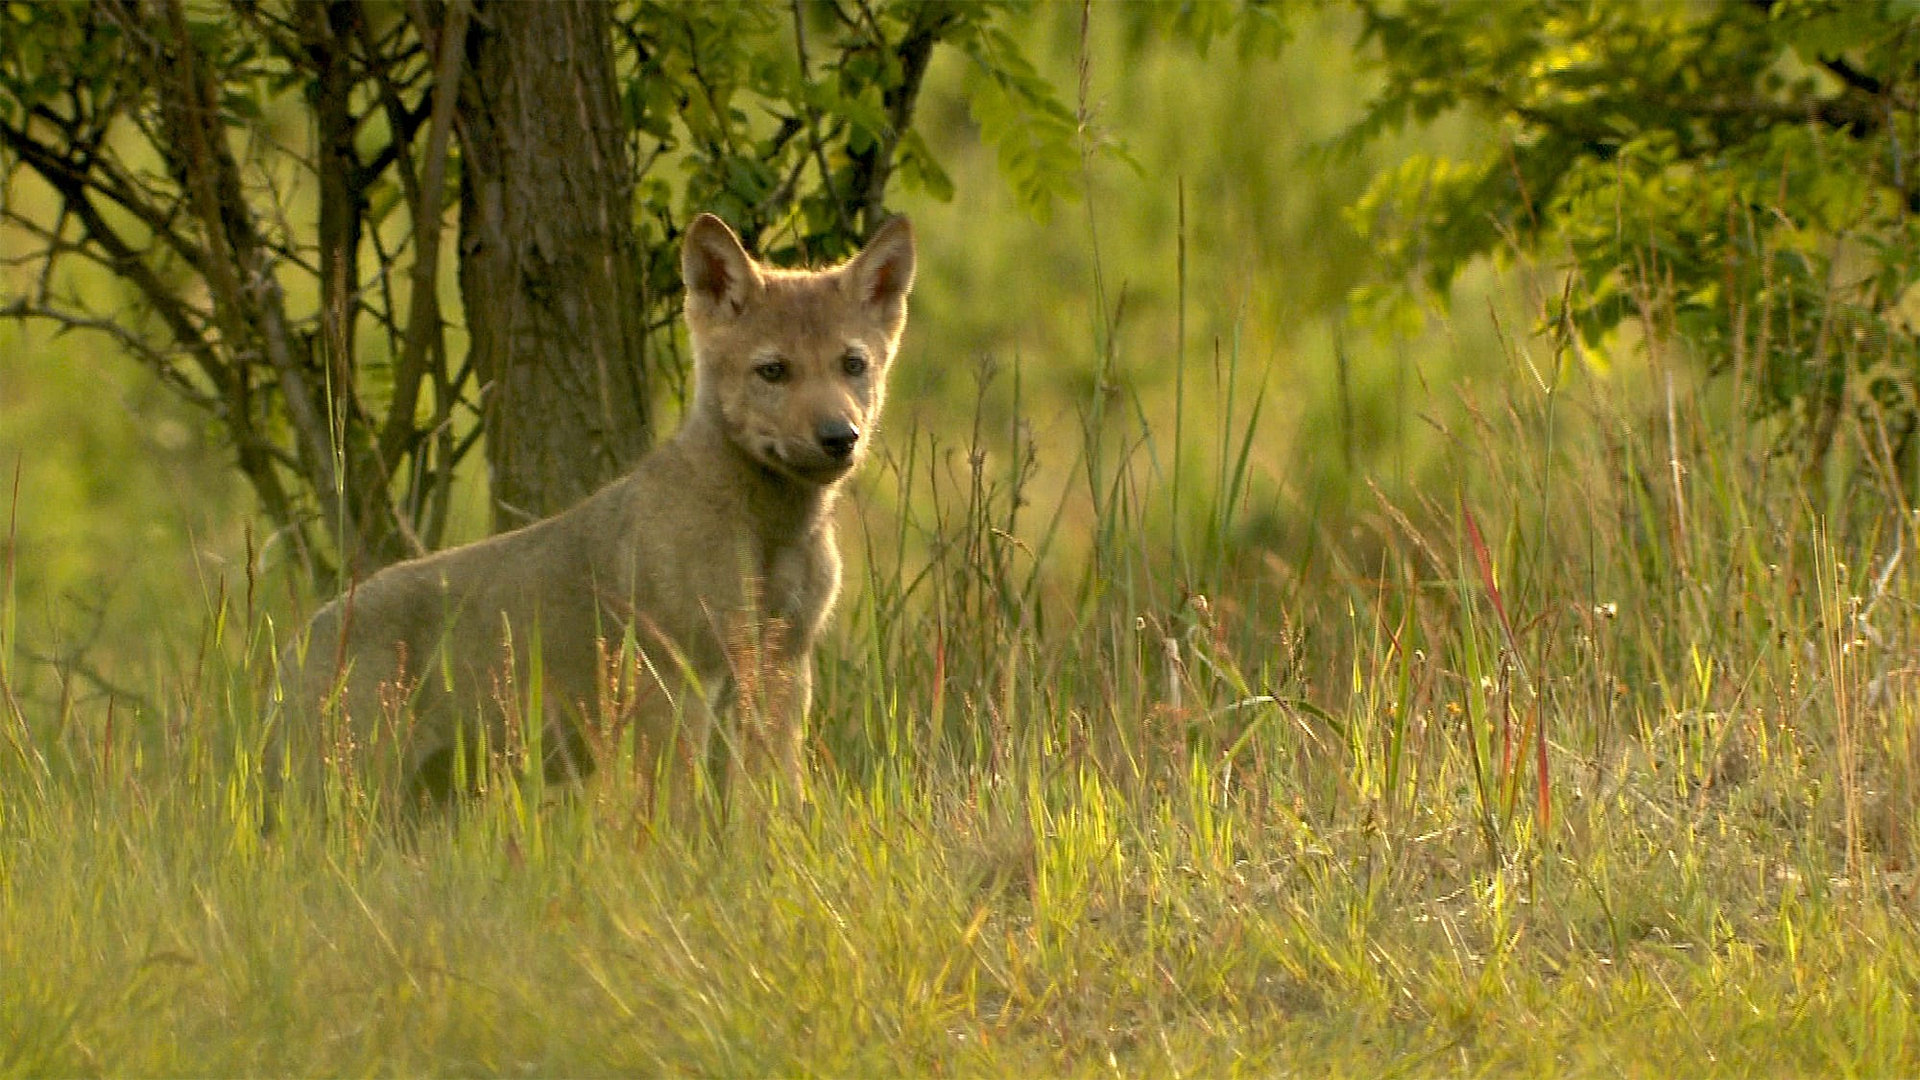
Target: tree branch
(813, 125)
(128, 341)
(247, 301)
(98, 174)
(424, 327)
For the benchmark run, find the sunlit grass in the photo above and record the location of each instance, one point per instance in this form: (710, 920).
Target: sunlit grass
(1600, 760)
(1148, 738)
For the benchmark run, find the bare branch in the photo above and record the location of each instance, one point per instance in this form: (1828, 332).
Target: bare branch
(98, 173)
(424, 328)
(186, 323)
(156, 359)
(247, 300)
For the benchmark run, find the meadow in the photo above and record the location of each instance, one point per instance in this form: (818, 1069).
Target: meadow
(1222, 686)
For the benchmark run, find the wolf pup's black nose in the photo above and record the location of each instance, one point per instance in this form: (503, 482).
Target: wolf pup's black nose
(837, 438)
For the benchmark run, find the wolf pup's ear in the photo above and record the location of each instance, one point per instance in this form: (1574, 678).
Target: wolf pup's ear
(716, 268)
(883, 271)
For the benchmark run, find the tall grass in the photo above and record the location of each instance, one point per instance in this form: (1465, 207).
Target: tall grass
(1599, 757)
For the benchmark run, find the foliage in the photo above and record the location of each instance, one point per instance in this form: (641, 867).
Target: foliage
(1751, 170)
(793, 121)
(178, 149)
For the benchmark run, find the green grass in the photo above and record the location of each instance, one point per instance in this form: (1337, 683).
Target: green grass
(1149, 740)
(1600, 761)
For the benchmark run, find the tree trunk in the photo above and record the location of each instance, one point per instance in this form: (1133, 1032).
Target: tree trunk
(548, 256)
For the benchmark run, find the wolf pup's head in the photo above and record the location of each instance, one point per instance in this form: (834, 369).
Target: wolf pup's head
(792, 364)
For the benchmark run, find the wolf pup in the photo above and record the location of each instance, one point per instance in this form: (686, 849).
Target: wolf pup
(692, 588)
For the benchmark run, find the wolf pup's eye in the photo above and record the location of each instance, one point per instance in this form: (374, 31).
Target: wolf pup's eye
(773, 371)
(854, 363)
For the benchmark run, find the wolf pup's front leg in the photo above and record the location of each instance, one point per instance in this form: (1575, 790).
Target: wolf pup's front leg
(768, 695)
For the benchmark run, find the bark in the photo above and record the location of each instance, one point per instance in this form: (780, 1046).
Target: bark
(548, 256)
